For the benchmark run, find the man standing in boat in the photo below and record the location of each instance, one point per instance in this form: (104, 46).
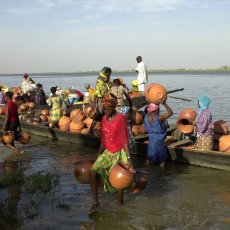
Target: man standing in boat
(142, 77)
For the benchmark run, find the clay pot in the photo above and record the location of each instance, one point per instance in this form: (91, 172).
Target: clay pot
(31, 105)
(98, 125)
(76, 127)
(64, 123)
(45, 112)
(135, 130)
(85, 131)
(142, 129)
(79, 117)
(1, 110)
(185, 121)
(82, 171)
(88, 121)
(220, 127)
(121, 177)
(43, 117)
(74, 113)
(133, 94)
(89, 110)
(224, 143)
(136, 118)
(24, 138)
(8, 138)
(140, 183)
(23, 107)
(155, 93)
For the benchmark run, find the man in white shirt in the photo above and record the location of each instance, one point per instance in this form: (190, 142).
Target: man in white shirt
(142, 77)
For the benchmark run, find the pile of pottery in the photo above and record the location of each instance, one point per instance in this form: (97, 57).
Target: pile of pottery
(9, 138)
(137, 124)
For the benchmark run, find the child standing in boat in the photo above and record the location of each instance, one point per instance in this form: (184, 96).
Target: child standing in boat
(157, 130)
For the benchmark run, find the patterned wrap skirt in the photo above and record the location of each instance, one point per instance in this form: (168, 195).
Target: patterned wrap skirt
(105, 163)
(204, 143)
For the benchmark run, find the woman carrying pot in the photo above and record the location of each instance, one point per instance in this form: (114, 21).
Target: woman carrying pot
(12, 122)
(113, 149)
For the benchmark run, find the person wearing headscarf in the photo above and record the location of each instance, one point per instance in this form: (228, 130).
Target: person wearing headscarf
(203, 126)
(113, 149)
(55, 104)
(156, 128)
(40, 97)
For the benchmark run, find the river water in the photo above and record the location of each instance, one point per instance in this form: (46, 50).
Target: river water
(178, 197)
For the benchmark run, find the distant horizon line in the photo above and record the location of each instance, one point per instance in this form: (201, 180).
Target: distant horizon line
(126, 71)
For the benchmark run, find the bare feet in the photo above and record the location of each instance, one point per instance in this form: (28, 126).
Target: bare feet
(93, 208)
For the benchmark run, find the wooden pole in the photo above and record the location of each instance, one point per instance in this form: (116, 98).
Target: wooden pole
(181, 98)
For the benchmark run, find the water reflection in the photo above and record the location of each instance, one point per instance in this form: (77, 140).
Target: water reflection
(179, 197)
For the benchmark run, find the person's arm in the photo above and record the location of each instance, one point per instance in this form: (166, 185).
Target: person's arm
(126, 148)
(167, 114)
(7, 118)
(129, 100)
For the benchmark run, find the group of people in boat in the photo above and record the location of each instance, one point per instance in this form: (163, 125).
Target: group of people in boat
(116, 135)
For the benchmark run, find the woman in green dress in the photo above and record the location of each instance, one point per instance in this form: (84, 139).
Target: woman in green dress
(55, 107)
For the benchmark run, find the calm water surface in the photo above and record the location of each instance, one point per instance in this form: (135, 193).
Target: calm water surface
(179, 197)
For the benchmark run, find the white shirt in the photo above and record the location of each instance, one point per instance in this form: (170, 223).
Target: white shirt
(142, 73)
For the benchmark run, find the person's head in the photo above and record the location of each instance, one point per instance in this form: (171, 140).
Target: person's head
(109, 102)
(8, 95)
(25, 75)
(39, 86)
(203, 102)
(139, 59)
(153, 108)
(116, 82)
(87, 86)
(53, 90)
(105, 73)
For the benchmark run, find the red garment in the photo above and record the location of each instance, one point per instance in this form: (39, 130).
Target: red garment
(114, 133)
(79, 93)
(13, 113)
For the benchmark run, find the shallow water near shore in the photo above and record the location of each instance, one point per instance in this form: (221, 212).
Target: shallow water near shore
(178, 197)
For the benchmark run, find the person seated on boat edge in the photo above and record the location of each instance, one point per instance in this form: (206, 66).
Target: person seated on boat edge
(27, 84)
(55, 104)
(90, 94)
(155, 127)
(11, 122)
(113, 149)
(203, 125)
(103, 85)
(134, 92)
(40, 97)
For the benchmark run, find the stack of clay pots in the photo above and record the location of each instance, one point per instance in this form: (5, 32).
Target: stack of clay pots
(138, 127)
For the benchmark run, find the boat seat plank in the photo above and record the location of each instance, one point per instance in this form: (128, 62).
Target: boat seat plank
(182, 142)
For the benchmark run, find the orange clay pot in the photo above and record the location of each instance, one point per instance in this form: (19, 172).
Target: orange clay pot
(82, 171)
(224, 143)
(23, 107)
(74, 113)
(155, 93)
(88, 121)
(76, 127)
(142, 129)
(135, 130)
(31, 105)
(89, 110)
(133, 94)
(24, 138)
(79, 117)
(64, 123)
(220, 127)
(1, 110)
(121, 177)
(43, 117)
(185, 121)
(45, 112)
(136, 118)
(8, 138)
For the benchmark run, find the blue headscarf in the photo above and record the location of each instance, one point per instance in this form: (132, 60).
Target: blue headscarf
(204, 102)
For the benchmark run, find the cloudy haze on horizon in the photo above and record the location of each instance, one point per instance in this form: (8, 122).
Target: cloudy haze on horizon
(84, 35)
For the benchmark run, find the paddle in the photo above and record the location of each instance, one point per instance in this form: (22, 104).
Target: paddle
(181, 98)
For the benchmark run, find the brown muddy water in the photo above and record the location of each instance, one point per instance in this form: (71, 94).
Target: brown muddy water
(179, 197)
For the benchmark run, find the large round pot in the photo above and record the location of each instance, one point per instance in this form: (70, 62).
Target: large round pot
(135, 130)
(79, 117)
(76, 127)
(185, 121)
(45, 112)
(89, 110)
(23, 107)
(220, 127)
(8, 138)
(136, 118)
(224, 143)
(74, 113)
(155, 93)
(24, 138)
(82, 171)
(142, 129)
(43, 117)
(121, 177)
(31, 105)
(64, 123)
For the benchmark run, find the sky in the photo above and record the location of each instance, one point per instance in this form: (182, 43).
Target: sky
(85, 35)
